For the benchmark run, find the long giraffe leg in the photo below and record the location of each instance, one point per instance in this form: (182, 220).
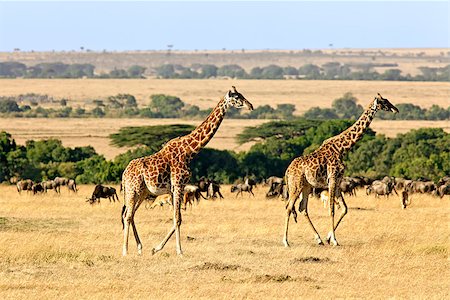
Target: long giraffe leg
(343, 213)
(331, 238)
(126, 228)
(136, 236)
(290, 208)
(303, 208)
(176, 224)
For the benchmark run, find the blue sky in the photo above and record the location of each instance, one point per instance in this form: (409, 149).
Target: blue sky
(212, 25)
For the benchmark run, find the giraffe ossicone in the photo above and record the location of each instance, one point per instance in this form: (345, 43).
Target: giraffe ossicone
(324, 168)
(167, 171)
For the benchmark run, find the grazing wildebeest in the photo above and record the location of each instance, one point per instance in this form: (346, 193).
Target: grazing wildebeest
(348, 186)
(420, 187)
(277, 189)
(61, 181)
(380, 188)
(250, 181)
(37, 188)
(24, 185)
(72, 185)
(213, 189)
(51, 185)
(203, 185)
(443, 190)
(101, 191)
(242, 187)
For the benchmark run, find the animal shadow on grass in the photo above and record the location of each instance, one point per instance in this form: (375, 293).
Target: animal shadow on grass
(218, 267)
(310, 259)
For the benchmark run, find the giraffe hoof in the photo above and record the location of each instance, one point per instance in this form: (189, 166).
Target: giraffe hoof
(153, 251)
(286, 244)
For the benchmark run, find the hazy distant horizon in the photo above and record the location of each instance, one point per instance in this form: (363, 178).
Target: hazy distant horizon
(214, 26)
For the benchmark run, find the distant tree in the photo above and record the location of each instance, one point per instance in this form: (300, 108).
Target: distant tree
(285, 111)
(98, 112)
(391, 74)
(166, 106)
(272, 72)
(346, 107)
(256, 73)
(208, 71)
(12, 69)
(136, 71)
(321, 113)
(310, 71)
(8, 106)
(291, 71)
(165, 71)
(233, 71)
(150, 136)
(118, 73)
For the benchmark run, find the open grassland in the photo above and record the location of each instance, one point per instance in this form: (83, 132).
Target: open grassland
(304, 94)
(60, 247)
(95, 132)
(205, 93)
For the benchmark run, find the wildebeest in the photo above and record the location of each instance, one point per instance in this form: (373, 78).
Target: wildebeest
(381, 188)
(277, 189)
(37, 188)
(101, 191)
(24, 185)
(51, 185)
(213, 189)
(348, 186)
(72, 185)
(420, 187)
(242, 187)
(443, 190)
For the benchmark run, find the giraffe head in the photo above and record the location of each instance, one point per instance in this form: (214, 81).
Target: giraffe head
(380, 103)
(236, 99)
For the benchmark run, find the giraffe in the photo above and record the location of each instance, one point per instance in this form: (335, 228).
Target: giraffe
(324, 168)
(167, 171)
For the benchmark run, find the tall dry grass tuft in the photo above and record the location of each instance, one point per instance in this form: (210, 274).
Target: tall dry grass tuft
(59, 246)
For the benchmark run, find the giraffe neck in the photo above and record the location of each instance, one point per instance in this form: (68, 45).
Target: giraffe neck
(343, 142)
(201, 135)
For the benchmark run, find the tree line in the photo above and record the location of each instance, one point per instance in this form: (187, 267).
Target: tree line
(166, 106)
(416, 154)
(326, 71)
(12, 69)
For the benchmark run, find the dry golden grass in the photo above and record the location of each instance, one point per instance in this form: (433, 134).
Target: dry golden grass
(60, 247)
(304, 94)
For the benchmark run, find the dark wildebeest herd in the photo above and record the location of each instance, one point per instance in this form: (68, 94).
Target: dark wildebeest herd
(382, 187)
(42, 187)
(277, 188)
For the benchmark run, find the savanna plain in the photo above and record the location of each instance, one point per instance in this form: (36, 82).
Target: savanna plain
(59, 246)
(304, 94)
